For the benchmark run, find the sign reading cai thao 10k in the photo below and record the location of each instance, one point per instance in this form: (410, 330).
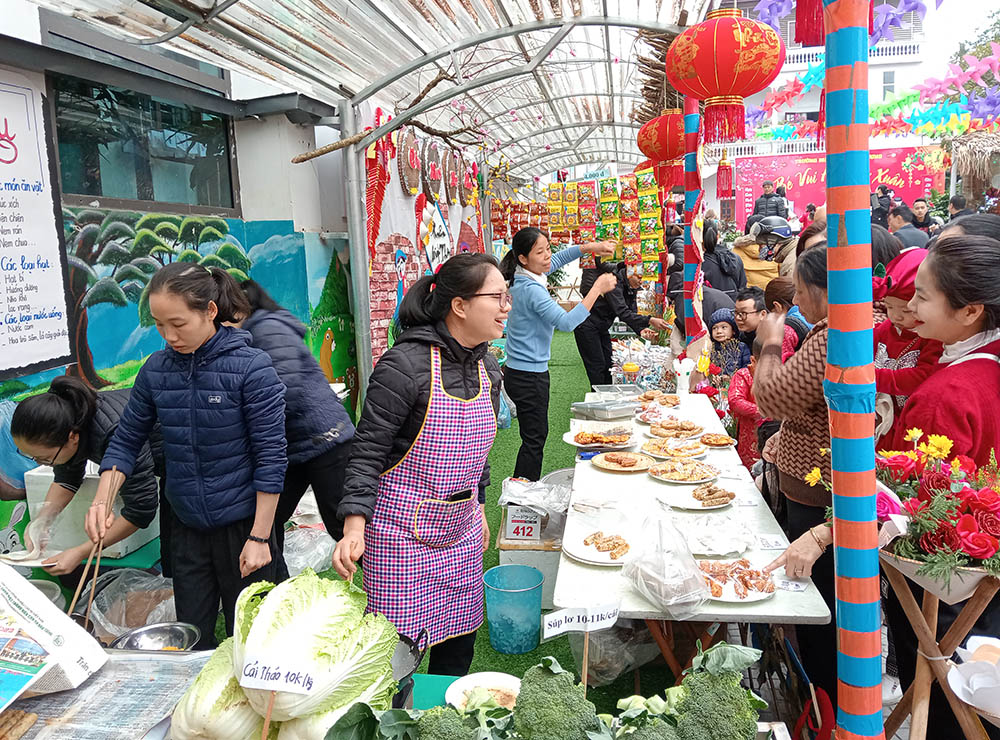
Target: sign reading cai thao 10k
(34, 331)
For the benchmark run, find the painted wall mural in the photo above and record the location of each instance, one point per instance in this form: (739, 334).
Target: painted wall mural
(111, 257)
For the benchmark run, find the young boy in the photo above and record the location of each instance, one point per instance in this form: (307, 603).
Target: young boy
(744, 410)
(728, 352)
(903, 360)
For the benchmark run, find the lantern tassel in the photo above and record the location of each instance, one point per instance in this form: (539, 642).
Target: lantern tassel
(821, 128)
(724, 122)
(724, 179)
(809, 23)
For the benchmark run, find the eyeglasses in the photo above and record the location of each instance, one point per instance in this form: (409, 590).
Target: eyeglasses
(49, 462)
(740, 315)
(504, 299)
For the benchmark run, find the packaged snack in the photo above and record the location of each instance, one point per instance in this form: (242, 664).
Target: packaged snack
(571, 218)
(543, 220)
(587, 234)
(649, 226)
(587, 214)
(629, 188)
(629, 209)
(650, 270)
(632, 254)
(570, 194)
(586, 192)
(608, 232)
(633, 270)
(609, 189)
(650, 246)
(649, 205)
(587, 261)
(555, 218)
(630, 231)
(610, 211)
(646, 182)
(555, 193)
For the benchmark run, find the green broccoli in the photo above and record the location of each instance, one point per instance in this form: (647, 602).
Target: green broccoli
(443, 723)
(552, 706)
(654, 729)
(716, 707)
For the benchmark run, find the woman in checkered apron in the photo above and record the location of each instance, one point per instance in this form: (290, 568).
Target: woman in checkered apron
(420, 459)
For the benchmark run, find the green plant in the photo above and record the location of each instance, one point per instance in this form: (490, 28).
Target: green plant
(938, 203)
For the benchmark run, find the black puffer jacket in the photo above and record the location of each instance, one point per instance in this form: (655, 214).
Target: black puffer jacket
(771, 204)
(396, 403)
(619, 303)
(881, 205)
(724, 271)
(315, 419)
(140, 493)
(675, 273)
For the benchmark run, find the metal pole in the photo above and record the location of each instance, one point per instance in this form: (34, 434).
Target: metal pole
(851, 397)
(356, 234)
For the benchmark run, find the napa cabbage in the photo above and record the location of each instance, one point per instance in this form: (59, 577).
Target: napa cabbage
(214, 706)
(319, 626)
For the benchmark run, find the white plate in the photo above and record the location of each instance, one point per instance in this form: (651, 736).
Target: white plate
(568, 439)
(649, 433)
(720, 535)
(602, 560)
(682, 482)
(684, 500)
(455, 695)
(660, 456)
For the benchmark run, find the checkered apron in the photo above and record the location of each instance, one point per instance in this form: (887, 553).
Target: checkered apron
(423, 563)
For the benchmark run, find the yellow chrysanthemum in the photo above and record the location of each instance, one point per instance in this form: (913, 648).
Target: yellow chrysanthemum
(814, 477)
(912, 435)
(956, 467)
(942, 443)
(704, 363)
(890, 453)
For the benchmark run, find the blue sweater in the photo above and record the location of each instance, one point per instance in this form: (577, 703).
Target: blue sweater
(534, 316)
(222, 414)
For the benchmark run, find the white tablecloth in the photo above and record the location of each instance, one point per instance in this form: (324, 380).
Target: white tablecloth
(579, 585)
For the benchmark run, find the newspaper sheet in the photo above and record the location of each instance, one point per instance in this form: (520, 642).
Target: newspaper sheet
(122, 701)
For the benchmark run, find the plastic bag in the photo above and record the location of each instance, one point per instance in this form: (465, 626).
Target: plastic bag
(509, 402)
(127, 598)
(505, 417)
(550, 501)
(665, 572)
(308, 547)
(628, 645)
(306, 510)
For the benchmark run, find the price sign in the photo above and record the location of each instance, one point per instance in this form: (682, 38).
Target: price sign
(275, 673)
(586, 619)
(772, 542)
(786, 585)
(523, 524)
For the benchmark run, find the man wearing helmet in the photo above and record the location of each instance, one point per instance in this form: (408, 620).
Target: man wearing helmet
(770, 203)
(777, 243)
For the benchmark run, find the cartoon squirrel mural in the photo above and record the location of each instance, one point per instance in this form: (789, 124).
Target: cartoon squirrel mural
(326, 351)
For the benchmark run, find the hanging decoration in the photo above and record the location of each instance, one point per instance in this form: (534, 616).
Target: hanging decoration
(409, 161)
(662, 138)
(670, 174)
(724, 178)
(467, 191)
(450, 173)
(431, 174)
(809, 26)
(378, 162)
(721, 61)
(809, 23)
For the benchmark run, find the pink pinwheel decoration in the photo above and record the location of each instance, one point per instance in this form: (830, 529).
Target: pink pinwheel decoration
(958, 78)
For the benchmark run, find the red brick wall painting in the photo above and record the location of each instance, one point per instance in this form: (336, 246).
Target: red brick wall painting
(395, 268)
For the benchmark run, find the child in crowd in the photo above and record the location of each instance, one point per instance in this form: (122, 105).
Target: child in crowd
(744, 410)
(728, 352)
(903, 360)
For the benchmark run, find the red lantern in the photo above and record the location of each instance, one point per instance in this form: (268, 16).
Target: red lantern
(721, 61)
(663, 137)
(724, 179)
(645, 164)
(670, 174)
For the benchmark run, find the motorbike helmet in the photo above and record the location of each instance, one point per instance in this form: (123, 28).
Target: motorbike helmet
(769, 232)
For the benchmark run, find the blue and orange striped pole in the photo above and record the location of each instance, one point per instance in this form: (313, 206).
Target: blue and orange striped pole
(692, 196)
(850, 375)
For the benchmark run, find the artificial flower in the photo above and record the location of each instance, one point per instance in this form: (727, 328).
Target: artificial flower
(914, 506)
(714, 369)
(937, 446)
(989, 523)
(814, 477)
(931, 482)
(887, 503)
(985, 499)
(704, 364)
(976, 543)
(944, 537)
(956, 468)
(709, 391)
(721, 414)
(901, 467)
(913, 435)
(967, 465)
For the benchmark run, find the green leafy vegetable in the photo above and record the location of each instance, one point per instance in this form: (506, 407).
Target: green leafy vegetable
(551, 705)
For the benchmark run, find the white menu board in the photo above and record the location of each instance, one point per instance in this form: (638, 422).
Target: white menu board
(34, 328)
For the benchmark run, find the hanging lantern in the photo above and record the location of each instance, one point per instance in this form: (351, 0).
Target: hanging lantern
(724, 179)
(670, 174)
(721, 61)
(646, 164)
(663, 137)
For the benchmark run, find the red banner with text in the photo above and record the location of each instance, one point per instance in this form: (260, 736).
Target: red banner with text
(910, 172)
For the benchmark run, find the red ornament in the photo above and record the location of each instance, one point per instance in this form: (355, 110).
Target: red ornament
(809, 27)
(663, 137)
(670, 174)
(721, 61)
(645, 164)
(724, 179)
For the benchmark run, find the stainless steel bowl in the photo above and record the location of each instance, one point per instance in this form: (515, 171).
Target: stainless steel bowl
(162, 636)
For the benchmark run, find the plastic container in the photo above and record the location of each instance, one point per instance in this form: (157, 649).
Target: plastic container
(514, 607)
(51, 591)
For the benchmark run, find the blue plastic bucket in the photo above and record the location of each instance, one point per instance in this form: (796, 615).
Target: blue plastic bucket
(514, 607)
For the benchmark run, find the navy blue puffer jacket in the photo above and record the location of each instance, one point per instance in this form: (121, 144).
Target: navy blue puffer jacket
(315, 419)
(222, 414)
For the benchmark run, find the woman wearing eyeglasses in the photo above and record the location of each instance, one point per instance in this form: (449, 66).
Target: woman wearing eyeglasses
(65, 428)
(533, 319)
(416, 482)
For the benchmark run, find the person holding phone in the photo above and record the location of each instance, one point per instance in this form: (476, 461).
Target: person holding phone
(415, 489)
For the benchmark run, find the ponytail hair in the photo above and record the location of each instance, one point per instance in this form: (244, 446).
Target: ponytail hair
(48, 418)
(199, 286)
(520, 246)
(428, 300)
(710, 237)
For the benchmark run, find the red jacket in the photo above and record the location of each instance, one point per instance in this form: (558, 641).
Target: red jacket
(960, 402)
(903, 361)
(744, 410)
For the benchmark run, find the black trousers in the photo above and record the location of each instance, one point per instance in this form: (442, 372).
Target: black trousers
(166, 519)
(594, 344)
(206, 565)
(817, 642)
(452, 657)
(905, 644)
(325, 473)
(530, 393)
